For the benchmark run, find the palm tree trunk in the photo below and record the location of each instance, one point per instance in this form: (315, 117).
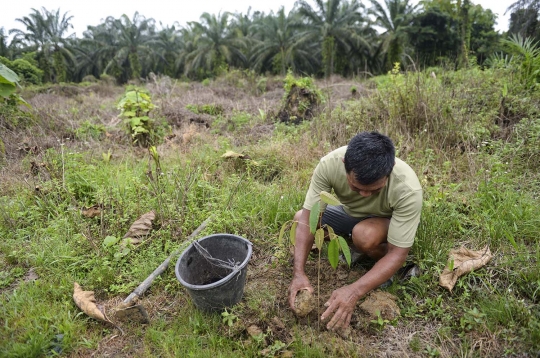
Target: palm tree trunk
(465, 32)
(328, 55)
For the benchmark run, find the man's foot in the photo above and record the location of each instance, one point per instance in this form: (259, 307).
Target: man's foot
(403, 274)
(355, 257)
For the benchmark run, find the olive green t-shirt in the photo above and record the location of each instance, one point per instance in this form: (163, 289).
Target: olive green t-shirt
(400, 199)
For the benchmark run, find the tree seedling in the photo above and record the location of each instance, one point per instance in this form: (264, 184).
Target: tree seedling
(336, 243)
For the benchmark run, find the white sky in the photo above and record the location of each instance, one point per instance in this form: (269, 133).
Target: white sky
(167, 12)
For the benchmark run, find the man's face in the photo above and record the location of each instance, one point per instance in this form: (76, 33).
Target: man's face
(366, 190)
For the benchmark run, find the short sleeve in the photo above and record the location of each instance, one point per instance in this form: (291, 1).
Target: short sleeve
(319, 182)
(405, 220)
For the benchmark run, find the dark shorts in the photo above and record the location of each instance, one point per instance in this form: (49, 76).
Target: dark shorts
(340, 221)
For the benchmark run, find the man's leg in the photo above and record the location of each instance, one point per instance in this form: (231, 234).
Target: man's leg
(370, 236)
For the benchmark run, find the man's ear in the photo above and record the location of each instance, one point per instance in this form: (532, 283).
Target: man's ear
(343, 160)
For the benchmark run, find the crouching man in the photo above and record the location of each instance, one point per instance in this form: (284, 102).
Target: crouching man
(381, 203)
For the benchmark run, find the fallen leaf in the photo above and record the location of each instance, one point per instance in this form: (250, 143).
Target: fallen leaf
(231, 154)
(86, 301)
(142, 226)
(464, 261)
(91, 212)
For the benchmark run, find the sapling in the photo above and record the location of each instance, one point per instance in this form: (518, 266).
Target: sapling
(135, 107)
(336, 243)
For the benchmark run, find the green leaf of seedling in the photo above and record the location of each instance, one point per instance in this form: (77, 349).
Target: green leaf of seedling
(314, 217)
(319, 238)
(331, 234)
(333, 253)
(345, 249)
(329, 198)
(293, 233)
(129, 113)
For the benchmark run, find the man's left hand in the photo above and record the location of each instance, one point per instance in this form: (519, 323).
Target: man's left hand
(341, 304)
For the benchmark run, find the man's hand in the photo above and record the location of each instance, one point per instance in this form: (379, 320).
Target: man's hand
(299, 282)
(340, 306)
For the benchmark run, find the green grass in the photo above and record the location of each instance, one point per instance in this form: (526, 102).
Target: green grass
(480, 188)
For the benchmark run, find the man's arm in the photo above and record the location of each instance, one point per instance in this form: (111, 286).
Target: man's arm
(343, 300)
(302, 247)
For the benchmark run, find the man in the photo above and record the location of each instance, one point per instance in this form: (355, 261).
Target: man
(381, 203)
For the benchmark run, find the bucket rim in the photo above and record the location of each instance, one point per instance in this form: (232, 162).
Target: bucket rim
(225, 279)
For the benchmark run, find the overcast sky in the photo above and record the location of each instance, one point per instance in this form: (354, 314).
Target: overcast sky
(167, 12)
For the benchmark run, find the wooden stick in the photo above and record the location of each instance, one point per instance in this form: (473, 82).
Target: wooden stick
(159, 270)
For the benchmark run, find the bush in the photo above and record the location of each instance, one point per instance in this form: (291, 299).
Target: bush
(28, 73)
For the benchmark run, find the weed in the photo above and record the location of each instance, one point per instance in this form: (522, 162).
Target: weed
(379, 322)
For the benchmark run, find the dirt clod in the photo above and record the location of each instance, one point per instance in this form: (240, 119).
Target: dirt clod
(383, 302)
(254, 331)
(304, 303)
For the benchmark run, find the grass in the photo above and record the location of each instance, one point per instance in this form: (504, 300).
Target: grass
(480, 184)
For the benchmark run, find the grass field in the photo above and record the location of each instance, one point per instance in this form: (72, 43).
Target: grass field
(472, 136)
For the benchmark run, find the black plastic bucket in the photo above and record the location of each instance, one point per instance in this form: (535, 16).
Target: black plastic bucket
(213, 287)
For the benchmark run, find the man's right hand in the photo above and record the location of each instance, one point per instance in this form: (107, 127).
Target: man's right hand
(299, 282)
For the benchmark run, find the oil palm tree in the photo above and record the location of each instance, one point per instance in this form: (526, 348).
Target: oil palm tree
(395, 17)
(216, 46)
(47, 34)
(336, 25)
(124, 44)
(282, 45)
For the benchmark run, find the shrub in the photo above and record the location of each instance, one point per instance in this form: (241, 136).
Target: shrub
(28, 73)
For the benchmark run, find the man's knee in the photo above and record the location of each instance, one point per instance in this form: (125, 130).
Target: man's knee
(370, 233)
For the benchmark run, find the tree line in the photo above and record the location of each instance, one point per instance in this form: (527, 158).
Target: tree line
(345, 37)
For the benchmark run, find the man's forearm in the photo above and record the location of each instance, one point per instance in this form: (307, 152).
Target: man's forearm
(304, 242)
(381, 271)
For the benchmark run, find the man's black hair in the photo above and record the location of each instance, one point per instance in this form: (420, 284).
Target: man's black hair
(370, 156)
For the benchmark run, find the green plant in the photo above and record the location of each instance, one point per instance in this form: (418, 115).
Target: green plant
(380, 322)
(88, 130)
(432, 352)
(211, 109)
(472, 319)
(8, 84)
(228, 318)
(135, 107)
(29, 73)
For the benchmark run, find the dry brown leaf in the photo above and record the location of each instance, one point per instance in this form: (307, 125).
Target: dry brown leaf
(231, 154)
(465, 261)
(142, 226)
(86, 301)
(91, 212)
